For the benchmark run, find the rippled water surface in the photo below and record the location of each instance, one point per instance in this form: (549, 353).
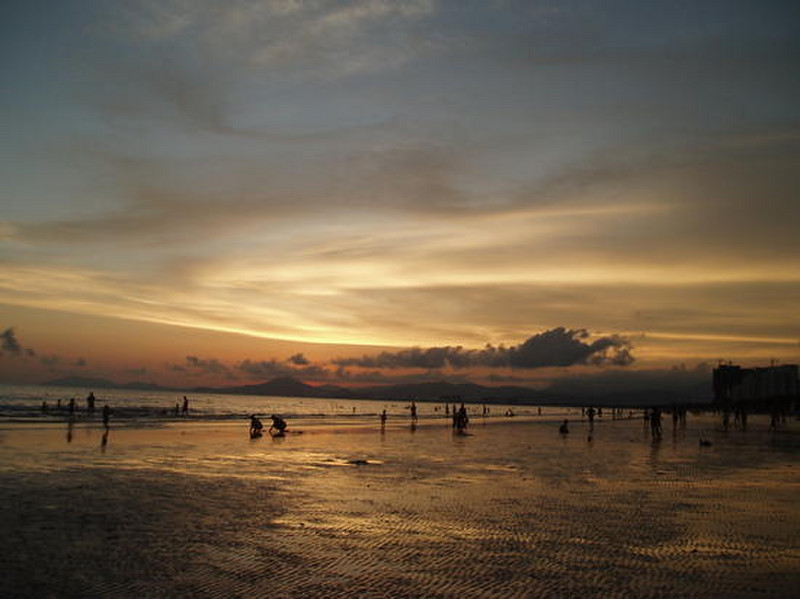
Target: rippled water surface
(339, 508)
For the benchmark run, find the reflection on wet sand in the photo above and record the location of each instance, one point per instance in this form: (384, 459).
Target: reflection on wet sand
(513, 509)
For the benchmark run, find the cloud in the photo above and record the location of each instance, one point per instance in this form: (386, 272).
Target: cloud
(196, 366)
(9, 343)
(299, 360)
(556, 347)
(274, 368)
(50, 361)
(210, 366)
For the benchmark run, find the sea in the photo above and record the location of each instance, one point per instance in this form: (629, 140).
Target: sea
(33, 403)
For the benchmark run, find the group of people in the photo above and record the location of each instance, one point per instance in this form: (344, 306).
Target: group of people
(257, 427)
(72, 407)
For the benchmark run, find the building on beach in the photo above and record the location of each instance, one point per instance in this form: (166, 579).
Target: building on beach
(734, 384)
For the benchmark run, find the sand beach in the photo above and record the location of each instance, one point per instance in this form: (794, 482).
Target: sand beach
(195, 508)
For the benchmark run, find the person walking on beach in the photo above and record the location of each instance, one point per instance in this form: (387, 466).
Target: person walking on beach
(90, 403)
(185, 407)
(590, 414)
(413, 412)
(655, 423)
(383, 419)
(71, 406)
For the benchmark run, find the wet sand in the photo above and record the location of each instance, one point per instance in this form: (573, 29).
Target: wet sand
(511, 510)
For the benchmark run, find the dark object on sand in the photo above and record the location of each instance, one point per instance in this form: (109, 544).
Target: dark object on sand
(705, 443)
(279, 424)
(255, 426)
(564, 428)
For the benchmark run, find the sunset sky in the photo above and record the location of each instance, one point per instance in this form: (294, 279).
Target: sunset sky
(225, 191)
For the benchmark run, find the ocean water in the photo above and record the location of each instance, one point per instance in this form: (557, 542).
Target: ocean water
(24, 403)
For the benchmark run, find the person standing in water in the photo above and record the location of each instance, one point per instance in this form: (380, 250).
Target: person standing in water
(383, 418)
(185, 407)
(413, 412)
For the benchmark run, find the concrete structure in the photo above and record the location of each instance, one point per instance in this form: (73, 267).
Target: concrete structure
(734, 384)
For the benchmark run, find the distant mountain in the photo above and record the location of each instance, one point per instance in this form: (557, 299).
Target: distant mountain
(443, 389)
(282, 386)
(653, 388)
(98, 383)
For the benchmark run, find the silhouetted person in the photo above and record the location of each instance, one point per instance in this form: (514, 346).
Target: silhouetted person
(413, 412)
(278, 423)
(590, 414)
(539, 410)
(106, 415)
(655, 423)
(564, 428)
(383, 418)
(462, 420)
(255, 426)
(185, 406)
(90, 403)
(71, 406)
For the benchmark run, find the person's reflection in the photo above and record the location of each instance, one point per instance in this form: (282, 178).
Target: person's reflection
(70, 425)
(104, 440)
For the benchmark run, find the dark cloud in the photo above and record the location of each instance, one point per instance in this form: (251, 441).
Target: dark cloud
(273, 368)
(50, 361)
(9, 343)
(205, 366)
(196, 366)
(556, 347)
(299, 360)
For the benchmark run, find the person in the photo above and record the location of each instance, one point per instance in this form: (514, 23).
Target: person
(71, 406)
(462, 419)
(106, 415)
(90, 402)
(383, 418)
(185, 407)
(278, 423)
(413, 412)
(564, 428)
(590, 414)
(255, 426)
(655, 423)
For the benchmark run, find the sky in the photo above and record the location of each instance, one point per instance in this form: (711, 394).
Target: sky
(212, 192)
